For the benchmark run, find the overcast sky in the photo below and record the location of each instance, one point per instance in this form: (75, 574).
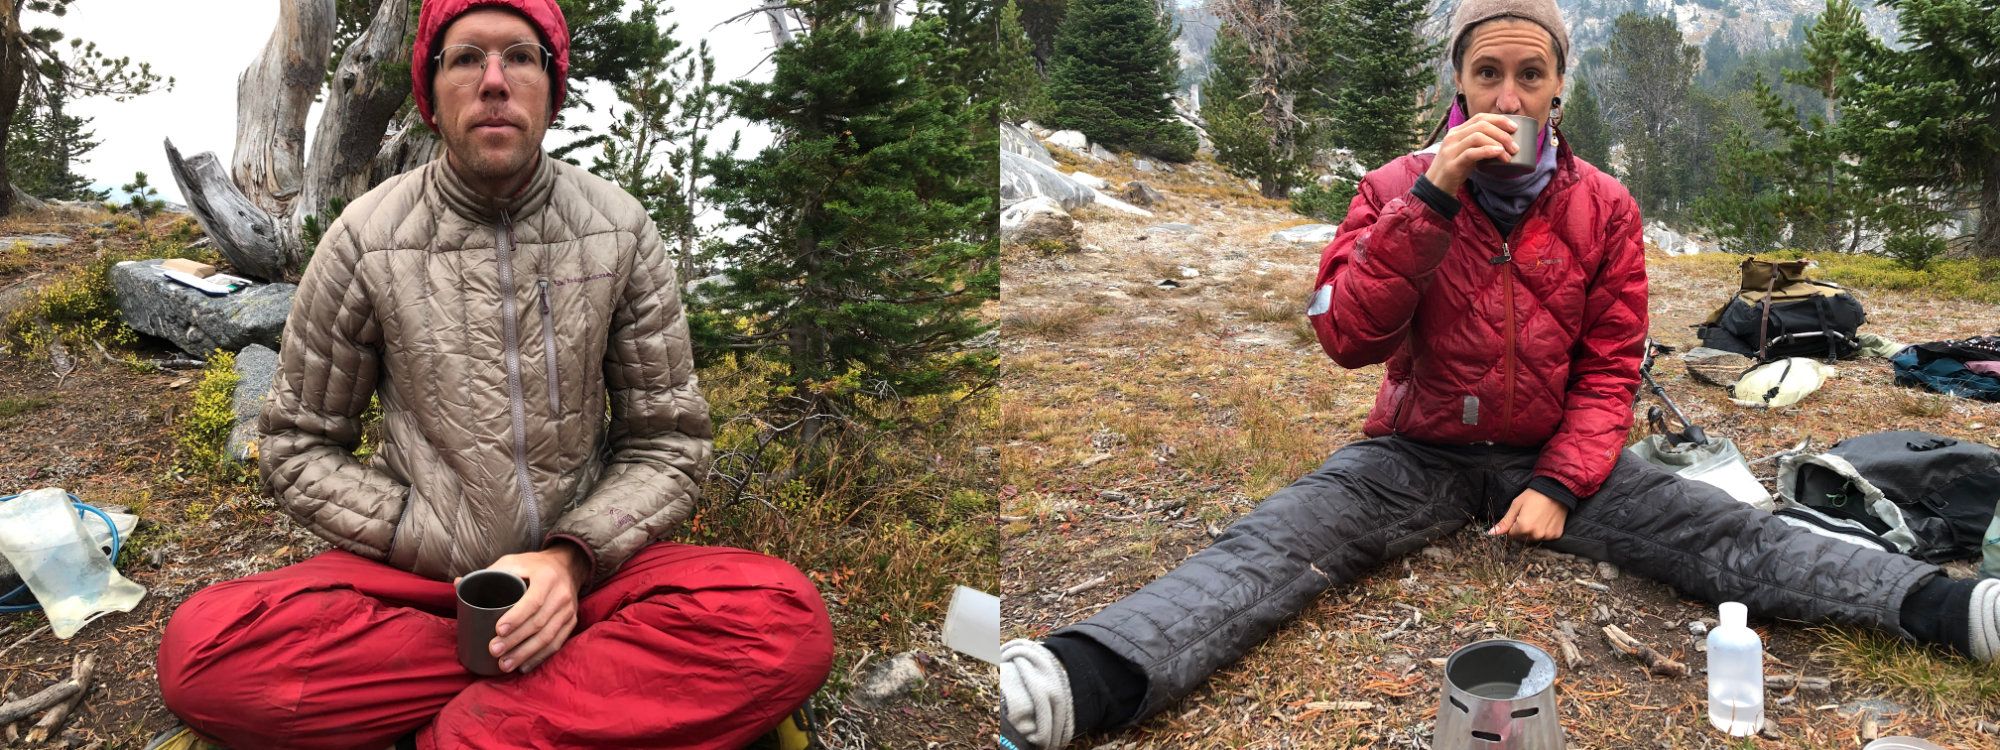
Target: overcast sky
(205, 51)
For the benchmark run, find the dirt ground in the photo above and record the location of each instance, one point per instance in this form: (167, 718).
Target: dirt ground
(107, 432)
(1141, 421)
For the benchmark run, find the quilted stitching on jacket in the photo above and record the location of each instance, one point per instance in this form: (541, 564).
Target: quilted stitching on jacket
(1427, 298)
(403, 299)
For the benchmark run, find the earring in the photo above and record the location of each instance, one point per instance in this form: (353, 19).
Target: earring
(1556, 112)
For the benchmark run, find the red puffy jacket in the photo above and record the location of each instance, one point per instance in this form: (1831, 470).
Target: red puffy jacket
(1529, 340)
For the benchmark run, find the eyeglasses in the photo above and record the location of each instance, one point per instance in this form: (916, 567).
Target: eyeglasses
(525, 64)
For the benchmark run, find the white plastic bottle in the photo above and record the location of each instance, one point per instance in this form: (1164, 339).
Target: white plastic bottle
(1735, 673)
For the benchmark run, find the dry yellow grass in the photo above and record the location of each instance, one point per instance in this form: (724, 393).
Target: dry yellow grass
(1129, 441)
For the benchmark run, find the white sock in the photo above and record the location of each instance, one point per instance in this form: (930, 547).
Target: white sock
(1985, 612)
(1035, 691)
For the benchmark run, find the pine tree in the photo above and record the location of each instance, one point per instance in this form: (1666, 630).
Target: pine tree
(31, 61)
(1583, 125)
(1019, 87)
(46, 144)
(142, 199)
(1041, 19)
(1113, 75)
(656, 146)
(1922, 118)
(868, 242)
(1744, 209)
(1649, 71)
(1255, 129)
(1807, 182)
(1387, 66)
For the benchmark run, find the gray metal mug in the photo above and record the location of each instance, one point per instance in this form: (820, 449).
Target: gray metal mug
(1527, 143)
(483, 596)
(1498, 695)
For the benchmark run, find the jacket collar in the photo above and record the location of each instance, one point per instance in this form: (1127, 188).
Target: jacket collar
(461, 199)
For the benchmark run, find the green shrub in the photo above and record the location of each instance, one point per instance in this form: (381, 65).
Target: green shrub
(1913, 251)
(203, 431)
(1326, 202)
(77, 308)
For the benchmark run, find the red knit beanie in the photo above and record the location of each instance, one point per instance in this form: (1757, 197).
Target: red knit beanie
(544, 15)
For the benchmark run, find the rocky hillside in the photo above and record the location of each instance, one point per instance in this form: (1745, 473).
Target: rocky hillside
(1750, 25)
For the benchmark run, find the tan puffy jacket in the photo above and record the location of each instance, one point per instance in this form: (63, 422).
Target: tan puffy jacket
(493, 332)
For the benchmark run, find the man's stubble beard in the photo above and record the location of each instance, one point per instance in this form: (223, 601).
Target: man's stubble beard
(481, 164)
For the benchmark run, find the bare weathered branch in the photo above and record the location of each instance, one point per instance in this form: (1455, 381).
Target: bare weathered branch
(49, 696)
(1655, 662)
(272, 97)
(244, 232)
(362, 99)
(413, 144)
(80, 673)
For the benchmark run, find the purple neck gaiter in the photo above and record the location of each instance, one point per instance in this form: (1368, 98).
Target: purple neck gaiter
(1507, 198)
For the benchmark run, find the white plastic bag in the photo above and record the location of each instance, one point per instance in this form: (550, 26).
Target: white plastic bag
(45, 540)
(1718, 463)
(1781, 383)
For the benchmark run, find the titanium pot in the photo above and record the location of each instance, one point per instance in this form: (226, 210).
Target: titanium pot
(1498, 695)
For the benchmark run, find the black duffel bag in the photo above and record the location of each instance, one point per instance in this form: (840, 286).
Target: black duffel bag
(1939, 491)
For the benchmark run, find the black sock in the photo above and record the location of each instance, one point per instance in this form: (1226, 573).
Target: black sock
(1939, 611)
(1107, 689)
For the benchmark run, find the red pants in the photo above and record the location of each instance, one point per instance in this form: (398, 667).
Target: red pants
(684, 647)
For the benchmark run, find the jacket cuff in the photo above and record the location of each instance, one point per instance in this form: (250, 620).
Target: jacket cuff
(1556, 490)
(1435, 197)
(589, 556)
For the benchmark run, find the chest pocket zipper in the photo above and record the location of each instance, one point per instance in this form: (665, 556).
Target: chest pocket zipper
(549, 344)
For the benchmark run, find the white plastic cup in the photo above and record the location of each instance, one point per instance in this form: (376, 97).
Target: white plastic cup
(972, 624)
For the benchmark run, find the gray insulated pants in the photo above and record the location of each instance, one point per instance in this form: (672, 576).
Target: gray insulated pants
(1378, 499)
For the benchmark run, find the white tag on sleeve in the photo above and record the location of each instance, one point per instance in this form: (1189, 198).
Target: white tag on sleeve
(1322, 300)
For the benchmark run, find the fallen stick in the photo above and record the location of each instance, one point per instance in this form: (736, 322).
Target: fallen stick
(79, 673)
(1572, 655)
(49, 696)
(1086, 585)
(23, 639)
(1799, 682)
(1656, 662)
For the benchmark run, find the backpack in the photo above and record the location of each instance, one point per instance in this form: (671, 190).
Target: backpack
(1930, 496)
(1780, 312)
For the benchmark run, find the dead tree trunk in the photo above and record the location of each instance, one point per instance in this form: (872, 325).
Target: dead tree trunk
(410, 145)
(272, 97)
(776, 13)
(256, 210)
(1986, 244)
(13, 59)
(359, 105)
(248, 236)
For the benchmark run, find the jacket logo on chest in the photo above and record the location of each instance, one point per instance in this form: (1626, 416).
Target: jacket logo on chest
(581, 279)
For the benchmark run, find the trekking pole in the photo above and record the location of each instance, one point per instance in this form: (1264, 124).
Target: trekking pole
(1692, 434)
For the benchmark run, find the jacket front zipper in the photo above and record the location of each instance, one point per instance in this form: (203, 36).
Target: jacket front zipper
(1506, 257)
(505, 249)
(549, 347)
